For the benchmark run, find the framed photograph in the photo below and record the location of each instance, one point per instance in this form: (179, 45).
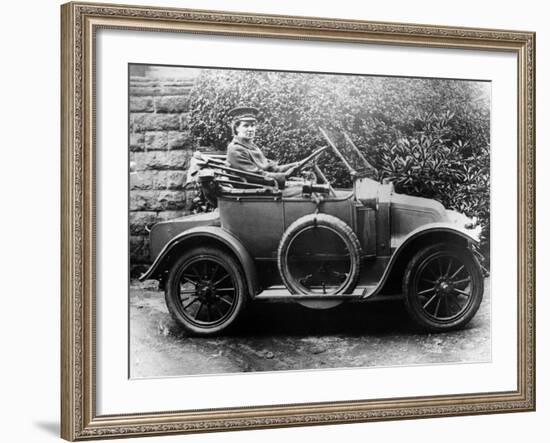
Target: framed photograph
(282, 221)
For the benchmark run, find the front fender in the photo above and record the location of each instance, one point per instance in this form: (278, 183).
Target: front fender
(205, 234)
(448, 227)
(405, 247)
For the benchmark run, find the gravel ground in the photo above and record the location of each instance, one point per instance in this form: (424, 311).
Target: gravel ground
(287, 336)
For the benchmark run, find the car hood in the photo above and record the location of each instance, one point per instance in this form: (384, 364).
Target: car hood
(409, 213)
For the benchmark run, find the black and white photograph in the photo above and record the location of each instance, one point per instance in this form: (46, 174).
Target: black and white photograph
(285, 220)
(275, 221)
(293, 218)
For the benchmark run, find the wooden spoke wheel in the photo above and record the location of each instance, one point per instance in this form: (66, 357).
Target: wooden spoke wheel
(443, 287)
(205, 290)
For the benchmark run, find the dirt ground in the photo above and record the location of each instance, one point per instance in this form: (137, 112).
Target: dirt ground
(287, 336)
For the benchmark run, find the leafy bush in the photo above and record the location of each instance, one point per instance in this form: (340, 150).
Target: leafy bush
(430, 137)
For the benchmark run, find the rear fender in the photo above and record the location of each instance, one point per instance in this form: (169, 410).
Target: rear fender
(425, 235)
(202, 236)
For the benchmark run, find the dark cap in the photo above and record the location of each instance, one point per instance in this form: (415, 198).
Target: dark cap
(246, 113)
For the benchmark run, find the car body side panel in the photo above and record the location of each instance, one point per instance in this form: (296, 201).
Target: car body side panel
(259, 222)
(383, 216)
(409, 213)
(163, 232)
(366, 229)
(343, 208)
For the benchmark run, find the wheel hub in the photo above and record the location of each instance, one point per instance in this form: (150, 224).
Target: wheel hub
(206, 291)
(444, 287)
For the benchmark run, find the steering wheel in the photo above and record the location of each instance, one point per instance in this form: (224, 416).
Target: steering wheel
(300, 165)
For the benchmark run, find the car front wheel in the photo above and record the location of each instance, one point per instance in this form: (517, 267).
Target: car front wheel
(205, 291)
(443, 287)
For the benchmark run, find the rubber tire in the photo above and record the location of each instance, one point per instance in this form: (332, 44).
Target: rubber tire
(469, 260)
(351, 240)
(171, 293)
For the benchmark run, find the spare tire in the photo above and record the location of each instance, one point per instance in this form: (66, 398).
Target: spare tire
(319, 254)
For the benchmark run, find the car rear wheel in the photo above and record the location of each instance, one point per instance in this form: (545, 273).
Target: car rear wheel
(319, 255)
(205, 291)
(443, 287)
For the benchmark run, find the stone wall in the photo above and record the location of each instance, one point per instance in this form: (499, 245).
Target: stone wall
(160, 149)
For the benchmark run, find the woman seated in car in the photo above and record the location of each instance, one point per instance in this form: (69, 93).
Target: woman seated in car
(243, 154)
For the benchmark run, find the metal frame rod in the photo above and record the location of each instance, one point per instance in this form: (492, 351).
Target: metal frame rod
(352, 171)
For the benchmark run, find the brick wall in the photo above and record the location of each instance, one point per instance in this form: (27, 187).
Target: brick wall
(160, 148)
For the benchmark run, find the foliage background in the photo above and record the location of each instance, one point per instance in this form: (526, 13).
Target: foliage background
(430, 137)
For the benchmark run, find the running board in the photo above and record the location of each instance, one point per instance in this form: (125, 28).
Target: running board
(281, 293)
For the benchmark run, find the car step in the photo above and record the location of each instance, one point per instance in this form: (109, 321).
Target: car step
(279, 292)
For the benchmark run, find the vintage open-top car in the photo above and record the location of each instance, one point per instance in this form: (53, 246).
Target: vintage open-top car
(319, 248)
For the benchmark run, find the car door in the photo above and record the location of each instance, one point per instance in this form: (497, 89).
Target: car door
(257, 222)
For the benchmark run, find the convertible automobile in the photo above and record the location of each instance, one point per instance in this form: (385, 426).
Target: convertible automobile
(321, 248)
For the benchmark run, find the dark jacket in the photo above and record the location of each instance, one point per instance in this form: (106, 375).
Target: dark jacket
(248, 157)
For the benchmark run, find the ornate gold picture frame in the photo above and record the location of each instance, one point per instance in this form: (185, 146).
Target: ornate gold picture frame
(81, 22)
